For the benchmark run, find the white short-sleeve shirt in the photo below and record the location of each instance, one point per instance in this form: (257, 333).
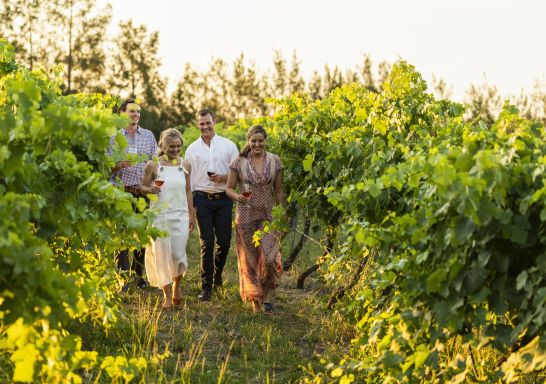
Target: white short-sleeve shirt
(214, 158)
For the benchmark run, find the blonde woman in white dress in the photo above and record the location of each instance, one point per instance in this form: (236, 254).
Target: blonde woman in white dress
(169, 178)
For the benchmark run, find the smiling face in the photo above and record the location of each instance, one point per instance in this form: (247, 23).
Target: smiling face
(173, 148)
(133, 112)
(206, 126)
(257, 143)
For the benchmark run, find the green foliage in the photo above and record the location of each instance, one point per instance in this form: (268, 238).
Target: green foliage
(277, 226)
(448, 215)
(238, 90)
(61, 222)
(454, 213)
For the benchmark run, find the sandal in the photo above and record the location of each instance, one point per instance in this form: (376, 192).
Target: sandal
(268, 308)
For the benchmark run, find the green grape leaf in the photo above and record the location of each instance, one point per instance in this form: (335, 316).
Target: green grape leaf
(308, 163)
(521, 280)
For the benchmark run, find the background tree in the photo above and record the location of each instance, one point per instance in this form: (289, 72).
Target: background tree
(351, 76)
(232, 91)
(238, 90)
(533, 104)
(314, 87)
(332, 79)
(24, 26)
(67, 32)
(80, 31)
(368, 80)
(484, 102)
(383, 69)
(279, 79)
(134, 72)
(214, 88)
(183, 101)
(246, 92)
(295, 79)
(440, 88)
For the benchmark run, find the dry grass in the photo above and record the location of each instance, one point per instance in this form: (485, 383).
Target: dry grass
(222, 341)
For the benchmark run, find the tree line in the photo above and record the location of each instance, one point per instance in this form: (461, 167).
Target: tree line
(72, 37)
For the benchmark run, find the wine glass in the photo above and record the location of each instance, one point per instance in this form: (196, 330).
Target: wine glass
(210, 172)
(159, 181)
(246, 191)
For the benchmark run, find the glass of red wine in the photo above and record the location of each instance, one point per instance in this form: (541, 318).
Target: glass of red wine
(246, 191)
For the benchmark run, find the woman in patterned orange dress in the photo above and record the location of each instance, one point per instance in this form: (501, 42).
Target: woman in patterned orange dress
(260, 172)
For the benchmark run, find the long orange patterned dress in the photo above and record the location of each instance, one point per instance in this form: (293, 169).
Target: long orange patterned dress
(259, 267)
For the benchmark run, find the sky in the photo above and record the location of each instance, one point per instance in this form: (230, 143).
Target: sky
(463, 42)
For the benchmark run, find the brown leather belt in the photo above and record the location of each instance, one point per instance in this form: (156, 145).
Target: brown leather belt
(211, 196)
(132, 189)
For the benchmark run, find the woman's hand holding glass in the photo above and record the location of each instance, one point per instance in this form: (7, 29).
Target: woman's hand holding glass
(245, 195)
(155, 188)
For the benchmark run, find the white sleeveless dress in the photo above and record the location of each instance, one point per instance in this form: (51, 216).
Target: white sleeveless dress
(166, 256)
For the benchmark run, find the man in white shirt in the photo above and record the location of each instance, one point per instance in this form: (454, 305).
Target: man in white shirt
(210, 156)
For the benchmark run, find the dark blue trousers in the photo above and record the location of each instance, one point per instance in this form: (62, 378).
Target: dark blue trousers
(214, 223)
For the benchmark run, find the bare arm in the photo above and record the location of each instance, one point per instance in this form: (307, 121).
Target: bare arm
(150, 173)
(186, 164)
(232, 180)
(230, 186)
(279, 190)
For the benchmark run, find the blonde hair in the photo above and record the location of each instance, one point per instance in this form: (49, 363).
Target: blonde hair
(252, 131)
(166, 137)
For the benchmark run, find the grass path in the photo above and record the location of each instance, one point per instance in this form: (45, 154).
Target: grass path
(222, 340)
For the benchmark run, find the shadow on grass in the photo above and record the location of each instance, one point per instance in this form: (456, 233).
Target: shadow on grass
(223, 341)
